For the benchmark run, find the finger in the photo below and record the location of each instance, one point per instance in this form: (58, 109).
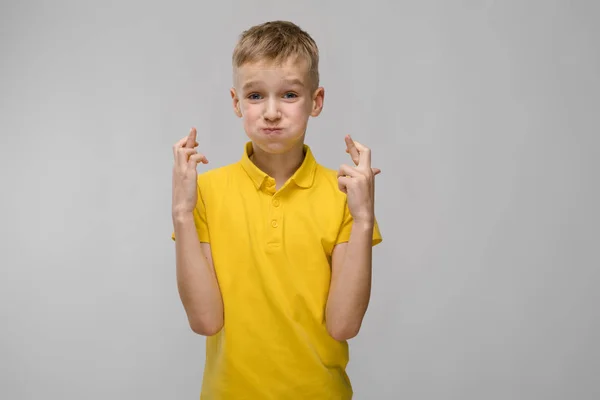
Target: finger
(198, 158)
(375, 171)
(343, 183)
(181, 143)
(365, 154)
(351, 149)
(183, 156)
(191, 138)
(346, 170)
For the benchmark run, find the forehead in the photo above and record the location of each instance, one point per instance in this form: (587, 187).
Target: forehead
(271, 72)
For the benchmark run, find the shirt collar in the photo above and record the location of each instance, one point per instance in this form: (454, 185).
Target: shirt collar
(303, 177)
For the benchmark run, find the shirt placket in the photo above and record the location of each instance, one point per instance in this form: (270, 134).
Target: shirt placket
(275, 216)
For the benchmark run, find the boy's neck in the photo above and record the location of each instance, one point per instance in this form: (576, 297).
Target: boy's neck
(280, 167)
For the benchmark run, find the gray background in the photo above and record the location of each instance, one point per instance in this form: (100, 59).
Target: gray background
(481, 114)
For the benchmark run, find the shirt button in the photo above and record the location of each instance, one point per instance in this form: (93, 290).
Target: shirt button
(276, 202)
(274, 224)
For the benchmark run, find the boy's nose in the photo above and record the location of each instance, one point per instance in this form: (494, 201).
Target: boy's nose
(272, 110)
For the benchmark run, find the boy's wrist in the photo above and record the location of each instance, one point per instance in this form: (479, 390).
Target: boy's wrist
(364, 223)
(182, 217)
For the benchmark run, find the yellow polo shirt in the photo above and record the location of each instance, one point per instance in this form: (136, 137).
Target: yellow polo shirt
(271, 250)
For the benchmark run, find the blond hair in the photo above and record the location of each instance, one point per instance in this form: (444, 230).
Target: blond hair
(276, 41)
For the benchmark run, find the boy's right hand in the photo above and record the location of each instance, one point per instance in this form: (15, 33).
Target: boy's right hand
(185, 194)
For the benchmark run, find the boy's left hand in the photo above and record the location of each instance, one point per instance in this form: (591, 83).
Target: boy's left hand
(359, 182)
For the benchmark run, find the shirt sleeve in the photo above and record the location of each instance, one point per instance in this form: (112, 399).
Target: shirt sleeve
(346, 228)
(200, 220)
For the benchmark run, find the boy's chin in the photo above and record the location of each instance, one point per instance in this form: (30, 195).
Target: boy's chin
(275, 146)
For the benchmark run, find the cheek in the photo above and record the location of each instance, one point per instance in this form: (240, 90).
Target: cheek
(249, 112)
(298, 112)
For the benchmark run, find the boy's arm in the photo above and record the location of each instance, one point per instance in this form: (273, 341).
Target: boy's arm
(350, 288)
(196, 278)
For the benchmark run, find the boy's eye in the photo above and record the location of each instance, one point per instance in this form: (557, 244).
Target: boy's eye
(290, 95)
(254, 96)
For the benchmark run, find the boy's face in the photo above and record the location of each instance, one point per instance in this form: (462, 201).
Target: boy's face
(275, 102)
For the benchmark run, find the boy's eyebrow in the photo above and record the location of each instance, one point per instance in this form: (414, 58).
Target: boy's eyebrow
(294, 81)
(291, 82)
(249, 84)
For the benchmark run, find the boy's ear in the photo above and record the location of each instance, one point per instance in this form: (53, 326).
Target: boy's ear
(317, 102)
(236, 103)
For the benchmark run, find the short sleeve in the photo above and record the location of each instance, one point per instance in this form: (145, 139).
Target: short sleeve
(346, 228)
(200, 220)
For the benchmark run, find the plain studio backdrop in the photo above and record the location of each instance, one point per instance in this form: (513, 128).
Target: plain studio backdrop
(483, 116)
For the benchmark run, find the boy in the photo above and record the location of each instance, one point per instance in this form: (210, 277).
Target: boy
(273, 252)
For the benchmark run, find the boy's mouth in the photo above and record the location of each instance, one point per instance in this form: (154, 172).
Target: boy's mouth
(271, 130)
